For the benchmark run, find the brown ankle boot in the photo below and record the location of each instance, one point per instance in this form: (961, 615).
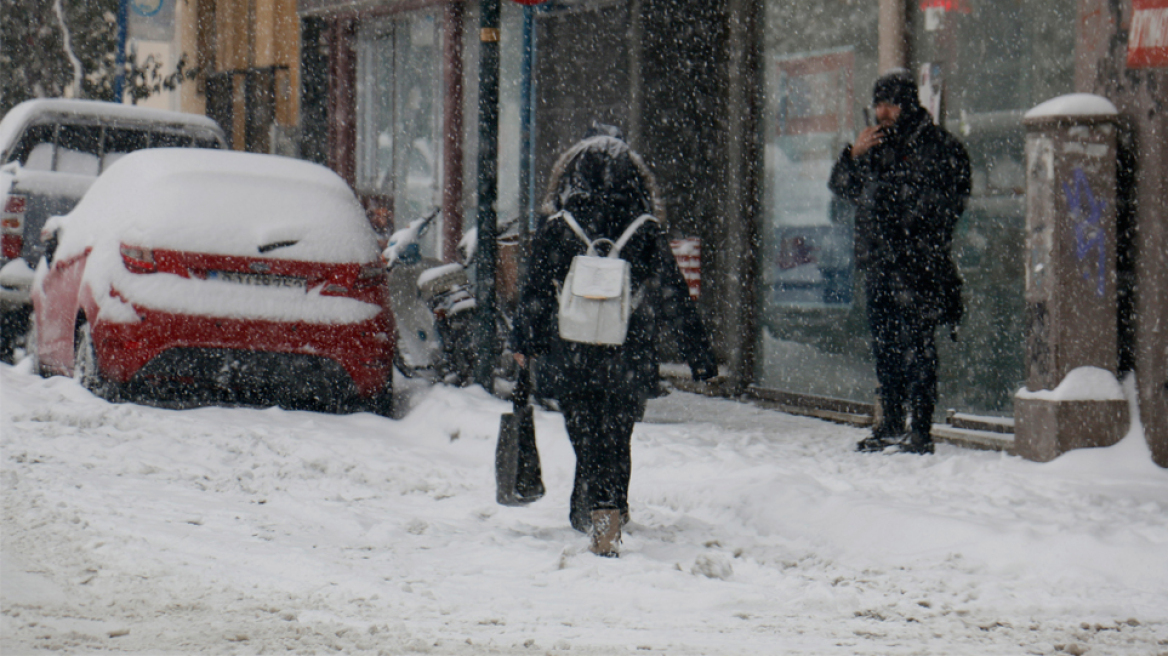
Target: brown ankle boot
(606, 532)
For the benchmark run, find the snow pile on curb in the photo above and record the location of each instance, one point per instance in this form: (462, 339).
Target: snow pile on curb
(135, 529)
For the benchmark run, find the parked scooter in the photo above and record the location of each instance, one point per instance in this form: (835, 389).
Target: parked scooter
(436, 311)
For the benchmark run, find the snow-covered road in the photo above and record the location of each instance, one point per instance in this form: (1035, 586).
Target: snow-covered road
(242, 531)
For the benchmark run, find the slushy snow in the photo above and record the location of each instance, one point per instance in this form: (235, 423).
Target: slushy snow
(136, 529)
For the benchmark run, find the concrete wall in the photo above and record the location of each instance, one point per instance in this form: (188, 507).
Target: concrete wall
(1141, 95)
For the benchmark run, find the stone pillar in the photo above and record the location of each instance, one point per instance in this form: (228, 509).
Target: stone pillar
(1152, 282)
(1071, 398)
(892, 35)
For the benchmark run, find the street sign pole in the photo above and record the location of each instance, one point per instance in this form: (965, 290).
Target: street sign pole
(488, 174)
(120, 55)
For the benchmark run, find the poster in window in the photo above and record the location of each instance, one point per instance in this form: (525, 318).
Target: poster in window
(811, 250)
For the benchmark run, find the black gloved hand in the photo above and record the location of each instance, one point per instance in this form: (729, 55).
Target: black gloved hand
(704, 370)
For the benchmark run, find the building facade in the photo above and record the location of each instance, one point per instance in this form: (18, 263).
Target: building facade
(247, 54)
(741, 107)
(981, 65)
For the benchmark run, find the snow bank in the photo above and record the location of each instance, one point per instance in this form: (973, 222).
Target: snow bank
(1080, 384)
(247, 531)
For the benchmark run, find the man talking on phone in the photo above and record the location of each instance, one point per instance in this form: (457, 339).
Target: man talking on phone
(908, 179)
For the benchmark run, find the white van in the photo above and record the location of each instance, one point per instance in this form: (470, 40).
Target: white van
(51, 151)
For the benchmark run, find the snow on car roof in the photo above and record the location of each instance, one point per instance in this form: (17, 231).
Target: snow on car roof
(16, 118)
(227, 203)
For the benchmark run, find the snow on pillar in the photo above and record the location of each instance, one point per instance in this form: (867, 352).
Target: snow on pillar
(1071, 399)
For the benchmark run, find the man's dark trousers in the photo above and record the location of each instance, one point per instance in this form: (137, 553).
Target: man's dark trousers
(904, 346)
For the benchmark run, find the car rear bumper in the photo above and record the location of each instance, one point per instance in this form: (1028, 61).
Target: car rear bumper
(214, 349)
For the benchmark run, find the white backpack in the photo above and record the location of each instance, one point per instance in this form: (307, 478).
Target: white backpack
(595, 299)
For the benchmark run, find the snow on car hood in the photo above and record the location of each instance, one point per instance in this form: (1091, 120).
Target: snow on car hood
(219, 202)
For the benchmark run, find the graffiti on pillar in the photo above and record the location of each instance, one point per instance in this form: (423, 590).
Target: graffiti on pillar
(1039, 354)
(1090, 239)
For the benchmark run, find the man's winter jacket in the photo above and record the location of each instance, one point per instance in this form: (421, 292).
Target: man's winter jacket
(606, 187)
(909, 193)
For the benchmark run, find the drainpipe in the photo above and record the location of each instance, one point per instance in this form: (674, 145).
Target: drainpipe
(120, 57)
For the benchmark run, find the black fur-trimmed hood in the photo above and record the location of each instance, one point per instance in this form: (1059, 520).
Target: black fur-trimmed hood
(604, 184)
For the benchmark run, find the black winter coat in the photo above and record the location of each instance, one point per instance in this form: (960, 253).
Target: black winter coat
(909, 193)
(605, 189)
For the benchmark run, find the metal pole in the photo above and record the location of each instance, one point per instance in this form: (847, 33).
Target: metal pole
(736, 301)
(120, 56)
(488, 169)
(527, 200)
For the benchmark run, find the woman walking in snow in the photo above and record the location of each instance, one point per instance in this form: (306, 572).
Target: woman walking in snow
(605, 187)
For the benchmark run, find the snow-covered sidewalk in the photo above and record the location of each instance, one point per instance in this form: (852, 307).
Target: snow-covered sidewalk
(242, 531)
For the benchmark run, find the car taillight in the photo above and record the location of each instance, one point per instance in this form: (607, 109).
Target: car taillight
(12, 226)
(138, 260)
(15, 204)
(11, 245)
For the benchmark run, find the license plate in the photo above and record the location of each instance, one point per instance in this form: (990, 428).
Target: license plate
(256, 279)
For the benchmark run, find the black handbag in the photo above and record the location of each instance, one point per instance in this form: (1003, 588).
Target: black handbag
(518, 478)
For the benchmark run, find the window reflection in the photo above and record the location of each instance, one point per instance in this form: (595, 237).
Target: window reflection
(399, 109)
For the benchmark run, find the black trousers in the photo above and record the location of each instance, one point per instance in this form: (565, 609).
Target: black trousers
(904, 345)
(600, 427)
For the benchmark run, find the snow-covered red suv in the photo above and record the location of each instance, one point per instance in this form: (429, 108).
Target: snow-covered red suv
(51, 150)
(250, 278)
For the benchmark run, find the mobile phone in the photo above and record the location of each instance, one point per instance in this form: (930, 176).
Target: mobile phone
(867, 118)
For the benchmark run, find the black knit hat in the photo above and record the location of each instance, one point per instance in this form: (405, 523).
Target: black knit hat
(897, 87)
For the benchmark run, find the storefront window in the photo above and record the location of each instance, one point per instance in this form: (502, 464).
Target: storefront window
(820, 61)
(981, 64)
(399, 110)
(986, 62)
(510, 93)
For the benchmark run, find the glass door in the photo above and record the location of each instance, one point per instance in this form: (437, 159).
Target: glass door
(399, 117)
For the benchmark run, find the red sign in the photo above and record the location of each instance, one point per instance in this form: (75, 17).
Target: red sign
(1147, 41)
(688, 253)
(955, 6)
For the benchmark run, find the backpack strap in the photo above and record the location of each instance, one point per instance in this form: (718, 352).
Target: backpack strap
(616, 247)
(629, 232)
(571, 221)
